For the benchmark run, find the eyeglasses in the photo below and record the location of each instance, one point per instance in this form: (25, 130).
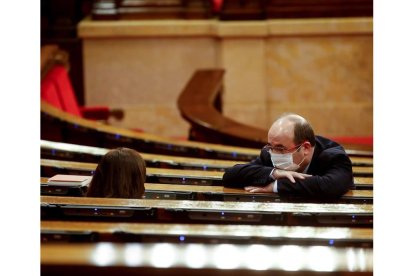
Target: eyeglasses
(282, 149)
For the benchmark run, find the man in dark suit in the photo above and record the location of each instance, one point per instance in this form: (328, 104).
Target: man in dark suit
(295, 162)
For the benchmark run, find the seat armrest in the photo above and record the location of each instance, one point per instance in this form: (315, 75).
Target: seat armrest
(101, 113)
(95, 112)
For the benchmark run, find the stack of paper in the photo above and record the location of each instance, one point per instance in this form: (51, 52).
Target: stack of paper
(69, 180)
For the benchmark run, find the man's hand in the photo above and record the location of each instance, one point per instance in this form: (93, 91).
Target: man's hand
(277, 174)
(265, 189)
(291, 175)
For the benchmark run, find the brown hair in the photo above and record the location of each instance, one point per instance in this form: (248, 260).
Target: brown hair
(120, 173)
(303, 130)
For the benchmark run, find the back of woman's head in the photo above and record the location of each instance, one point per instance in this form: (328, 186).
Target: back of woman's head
(120, 174)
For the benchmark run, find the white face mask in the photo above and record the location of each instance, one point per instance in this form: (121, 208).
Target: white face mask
(285, 161)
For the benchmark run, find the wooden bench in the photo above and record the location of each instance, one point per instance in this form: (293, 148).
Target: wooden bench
(204, 259)
(73, 152)
(213, 193)
(79, 231)
(159, 175)
(187, 211)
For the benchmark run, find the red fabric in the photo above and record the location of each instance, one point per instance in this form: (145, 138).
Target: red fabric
(49, 93)
(217, 5)
(356, 140)
(67, 95)
(57, 89)
(95, 112)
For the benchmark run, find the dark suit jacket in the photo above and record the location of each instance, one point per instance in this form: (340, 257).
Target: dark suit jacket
(330, 167)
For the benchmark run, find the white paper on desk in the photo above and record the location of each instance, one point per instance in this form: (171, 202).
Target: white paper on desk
(69, 180)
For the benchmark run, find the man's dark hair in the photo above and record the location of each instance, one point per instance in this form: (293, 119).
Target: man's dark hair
(303, 130)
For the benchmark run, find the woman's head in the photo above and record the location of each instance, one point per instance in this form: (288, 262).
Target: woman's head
(120, 174)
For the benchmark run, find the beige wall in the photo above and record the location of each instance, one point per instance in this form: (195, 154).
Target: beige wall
(320, 68)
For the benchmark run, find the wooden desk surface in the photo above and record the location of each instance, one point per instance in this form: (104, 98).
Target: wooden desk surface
(212, 205)
(185, 161)
(225, 190)
(136, 258)
(267, 231)
(222, 190)
(215, 175)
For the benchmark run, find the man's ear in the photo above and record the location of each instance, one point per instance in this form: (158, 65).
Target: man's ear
(307, 145)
